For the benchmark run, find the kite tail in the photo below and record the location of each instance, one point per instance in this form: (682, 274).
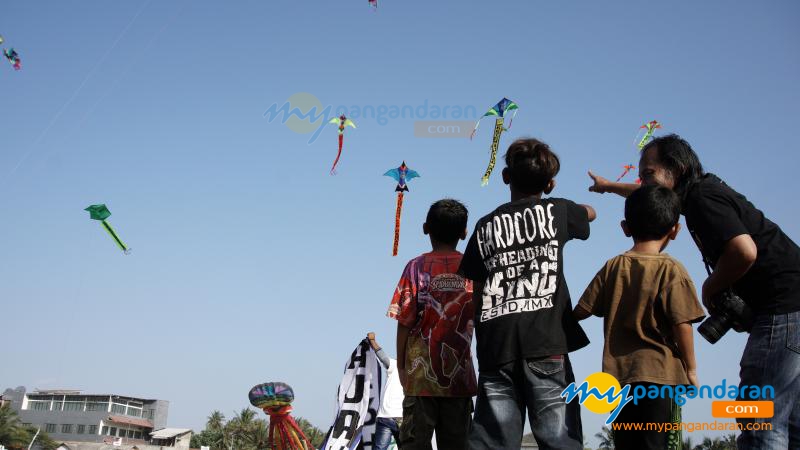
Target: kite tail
(116, 238)
(623, 175)
(397, 214)
(498, 130)
(510, 121)
(336, 161)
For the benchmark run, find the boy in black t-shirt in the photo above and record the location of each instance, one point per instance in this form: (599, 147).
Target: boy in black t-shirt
(524, 325)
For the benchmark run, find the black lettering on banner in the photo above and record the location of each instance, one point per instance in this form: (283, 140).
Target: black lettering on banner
(359, 355)
(359, 393)
(343, 425)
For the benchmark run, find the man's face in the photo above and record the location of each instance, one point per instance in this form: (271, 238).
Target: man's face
(652, 171)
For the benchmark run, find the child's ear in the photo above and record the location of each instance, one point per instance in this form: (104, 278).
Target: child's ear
(425, 228)
(464, 234)
(506, 176)
(625, 229)
(674, 232)
(550, 186)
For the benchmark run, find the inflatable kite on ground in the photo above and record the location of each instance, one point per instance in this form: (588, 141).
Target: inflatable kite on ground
(101, 213)
(12, 57)
(402, 175)
(343, 122)
(275, 399)
(499, 110)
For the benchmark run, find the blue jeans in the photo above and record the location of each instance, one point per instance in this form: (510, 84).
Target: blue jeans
(772, 357)
(535, 385)
(384, 430)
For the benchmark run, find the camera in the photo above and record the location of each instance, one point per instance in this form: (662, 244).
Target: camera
(729, 311)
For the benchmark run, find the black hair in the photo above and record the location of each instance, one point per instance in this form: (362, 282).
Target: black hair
(447, 220)
(679, 159)
(651, 212)
(531, 165)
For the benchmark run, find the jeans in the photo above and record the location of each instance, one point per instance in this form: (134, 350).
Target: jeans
(449, 417)
(772, 357)
(384, 430)
(535, 385)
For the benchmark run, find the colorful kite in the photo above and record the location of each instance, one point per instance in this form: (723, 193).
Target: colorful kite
(402, 175)
(101, 213)
(499, 110)
(12, 57)
(275, 399)
(343, 122)
(650, 128)
(374, 3)
(628, 168)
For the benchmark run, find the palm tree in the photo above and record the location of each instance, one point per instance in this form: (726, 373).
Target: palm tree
(606, 437)
(14, 435)
(215, 421)
(314, 434)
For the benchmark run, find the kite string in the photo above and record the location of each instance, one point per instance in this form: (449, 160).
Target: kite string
(125, 71)
(78, 90)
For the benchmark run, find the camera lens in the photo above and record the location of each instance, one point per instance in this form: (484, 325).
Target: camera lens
(713, 328)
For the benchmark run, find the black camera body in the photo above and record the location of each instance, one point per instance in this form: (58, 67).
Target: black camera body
(729, 311)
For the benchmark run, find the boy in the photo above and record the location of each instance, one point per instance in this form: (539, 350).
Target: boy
(390, 413)
(648, 303)
(525, 326)
(433, 308)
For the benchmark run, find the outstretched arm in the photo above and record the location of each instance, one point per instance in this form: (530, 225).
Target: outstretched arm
(378, 350)
(602, 185)
(685, 341)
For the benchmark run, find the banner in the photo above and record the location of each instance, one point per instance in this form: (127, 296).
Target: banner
(357, 402)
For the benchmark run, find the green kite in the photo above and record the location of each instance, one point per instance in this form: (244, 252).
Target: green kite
(101, 213)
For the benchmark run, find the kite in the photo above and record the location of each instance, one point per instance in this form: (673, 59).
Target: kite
(499, 110)
(275, 399)
(1, 39)
(101, 213)
(343, 122)
(12, 57)
(627, 168)
(357, 402)
(374, 3)
(651, 128)
(402, 175)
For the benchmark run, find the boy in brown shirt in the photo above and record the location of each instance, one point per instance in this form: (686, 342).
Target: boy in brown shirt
(648, 303)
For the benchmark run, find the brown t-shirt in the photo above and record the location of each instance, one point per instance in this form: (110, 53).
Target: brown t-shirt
(640, 298)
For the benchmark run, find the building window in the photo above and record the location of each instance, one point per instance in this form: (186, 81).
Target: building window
(130, 434)
(92, 429)
(138, 435)
(113, 431)
(57, 406)
(81, 429)
(50, 428)
(118, 409)
(149, 414)
(105, 431)
(134, 412)
(97, 406)
(39, 405)
(66, 428)
(73, 406)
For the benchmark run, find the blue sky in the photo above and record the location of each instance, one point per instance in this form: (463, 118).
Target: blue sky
(251, 263)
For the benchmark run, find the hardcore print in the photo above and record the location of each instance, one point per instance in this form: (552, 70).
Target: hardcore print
(528, 274)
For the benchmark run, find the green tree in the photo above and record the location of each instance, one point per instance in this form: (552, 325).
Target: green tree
(14, 435)
(314, 434)
(606, 437)
(216, 421)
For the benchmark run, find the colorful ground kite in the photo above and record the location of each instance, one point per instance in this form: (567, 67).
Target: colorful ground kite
(12, 57)
(499, 110)
(343, 122)
(101, 213)
(628, 168)
(275, 399)
(402, 175)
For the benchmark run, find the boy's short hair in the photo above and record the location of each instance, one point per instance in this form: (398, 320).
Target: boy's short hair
(447, 220)
(531, 165)
(651, 212)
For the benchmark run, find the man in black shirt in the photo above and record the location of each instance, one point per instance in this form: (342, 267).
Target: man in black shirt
(749, 254)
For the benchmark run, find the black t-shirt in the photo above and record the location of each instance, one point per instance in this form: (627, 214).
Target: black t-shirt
(517, 252)
(715, 214)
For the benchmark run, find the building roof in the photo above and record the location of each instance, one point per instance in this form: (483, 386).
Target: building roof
(83, 394)
(131, 421)
(169, 433)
